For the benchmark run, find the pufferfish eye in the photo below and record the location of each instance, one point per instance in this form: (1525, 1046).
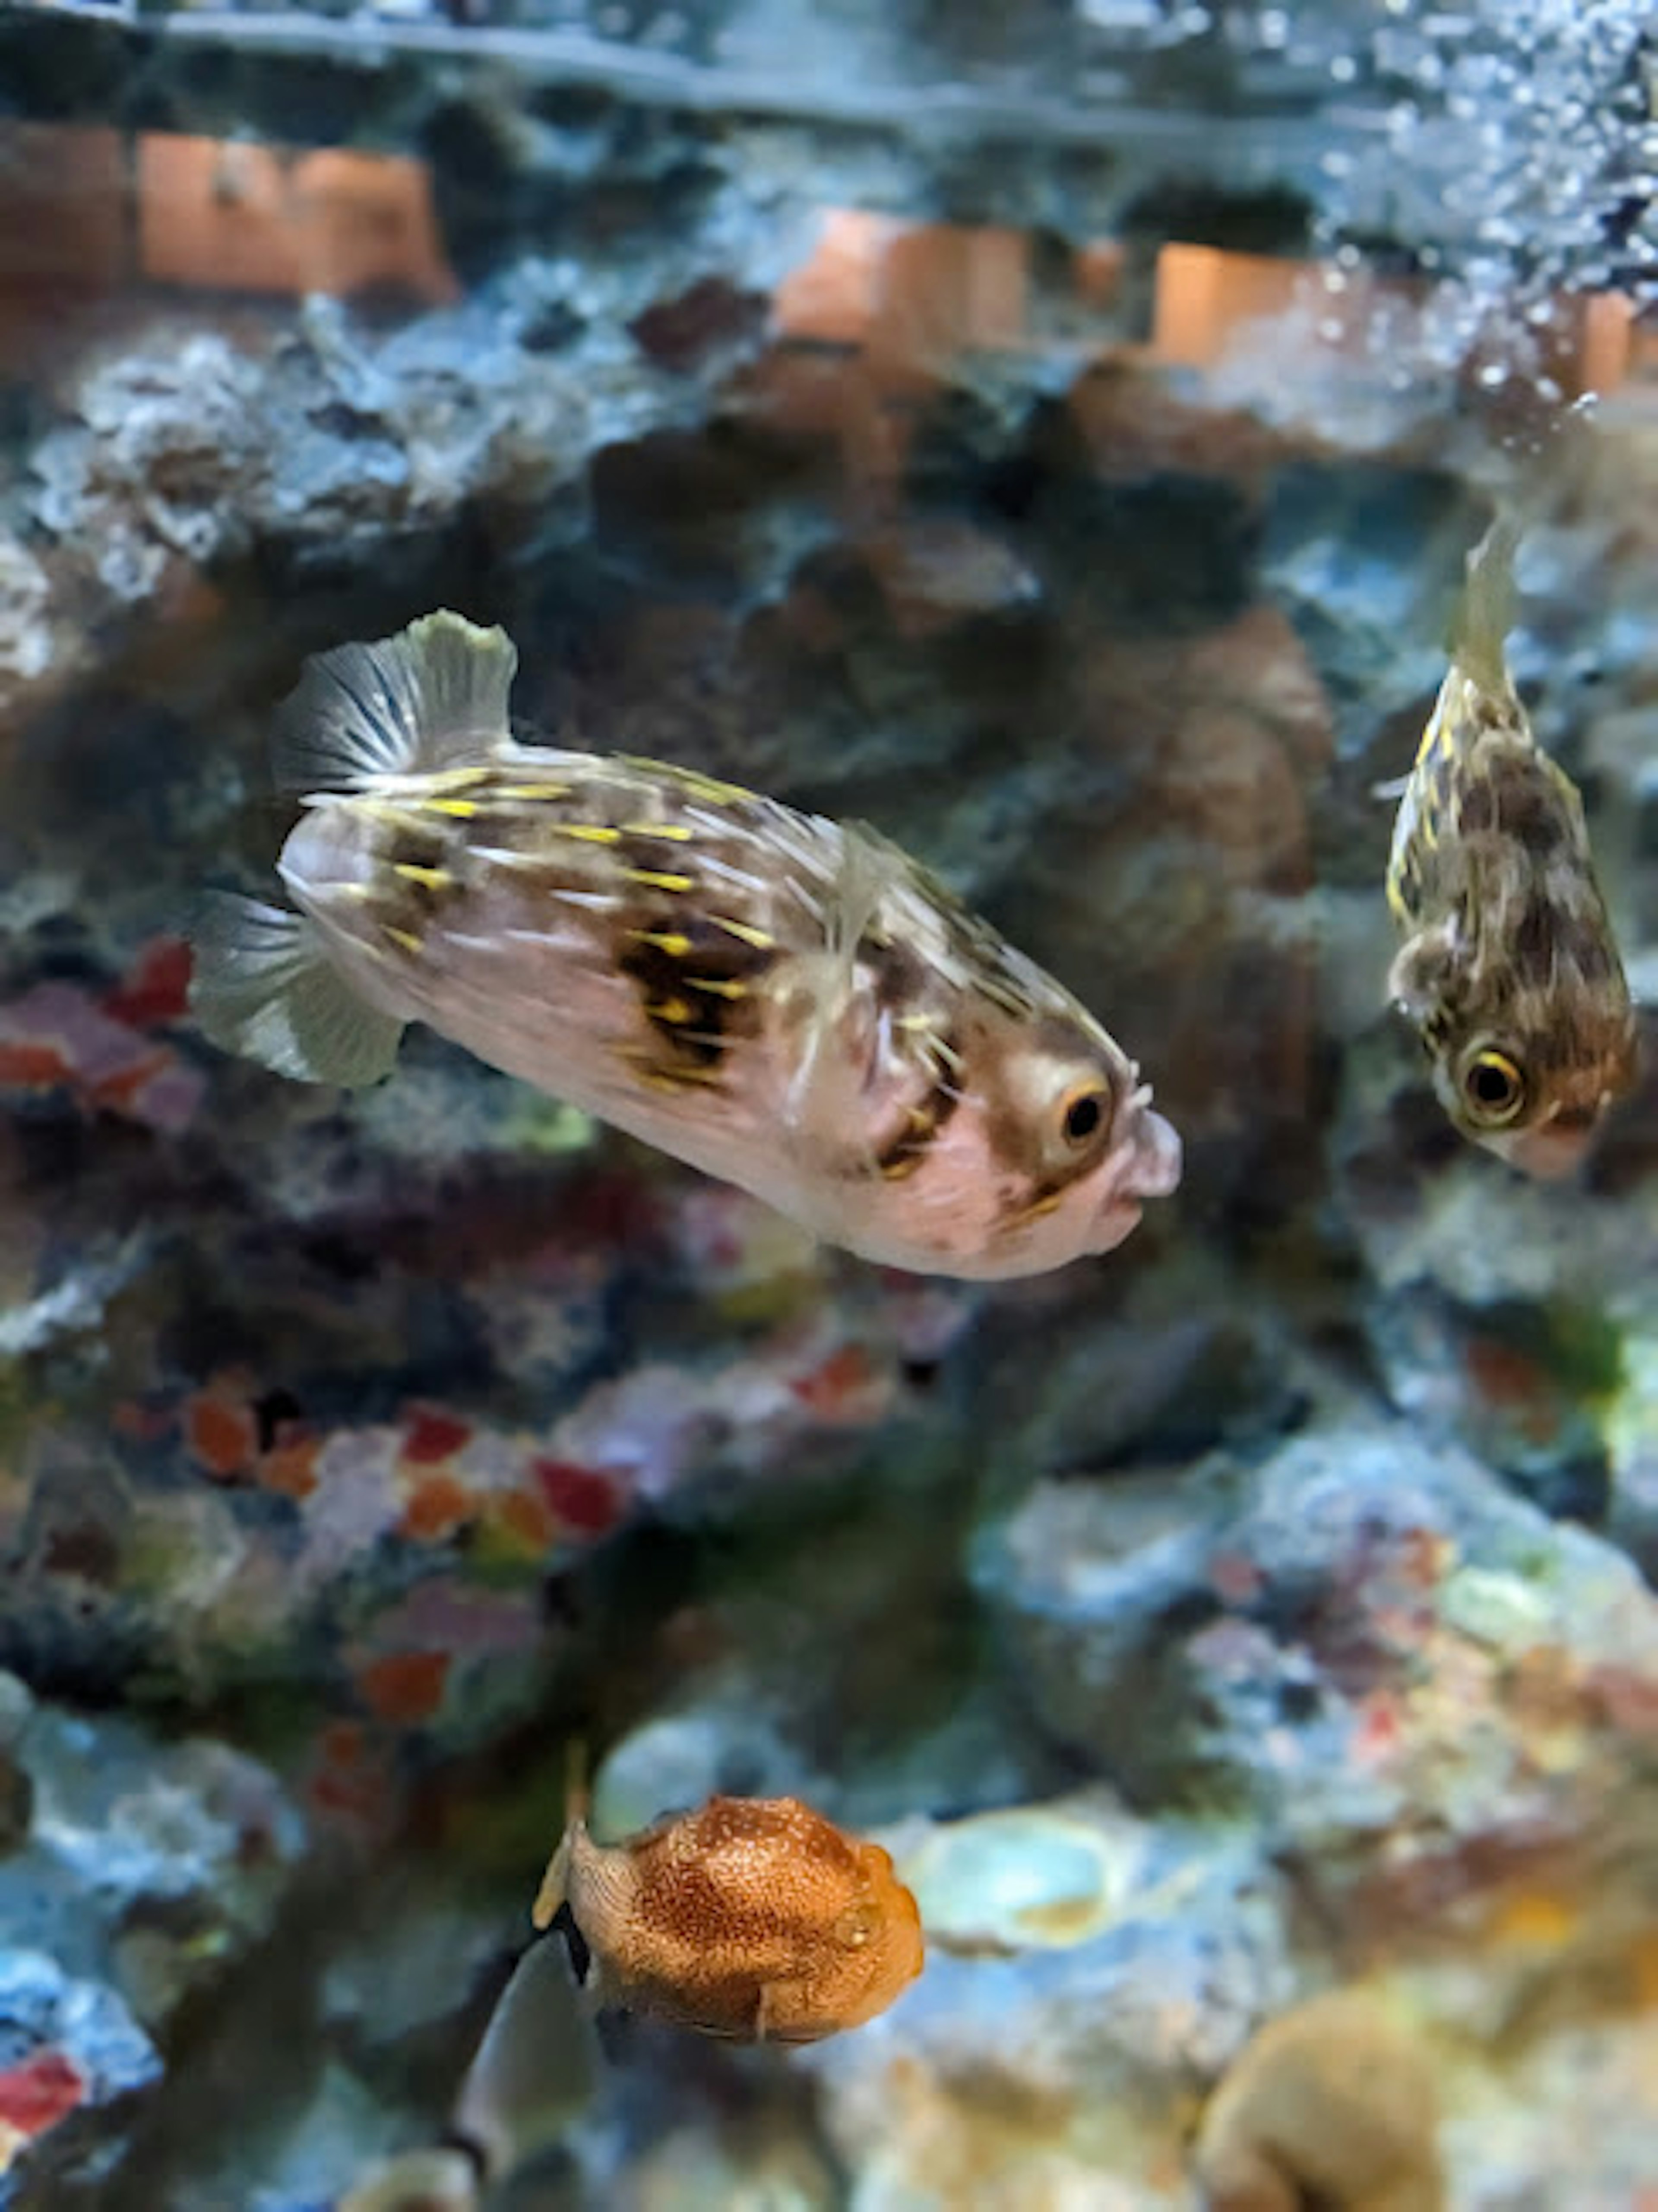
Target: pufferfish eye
(1082, 1111)
(1493, 1088)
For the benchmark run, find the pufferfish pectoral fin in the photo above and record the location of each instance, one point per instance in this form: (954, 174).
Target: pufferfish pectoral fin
(841, 1033)
(1422, 972)
(264, 986)
(434, 693)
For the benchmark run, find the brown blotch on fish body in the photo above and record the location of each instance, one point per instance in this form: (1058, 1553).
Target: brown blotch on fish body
(1330, 2105)
(754, 1919)
(693, 983)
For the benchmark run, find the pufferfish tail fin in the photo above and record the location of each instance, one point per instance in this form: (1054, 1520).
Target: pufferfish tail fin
(1487, 610)
(578, 1799)
(412, 703)
(263, 986)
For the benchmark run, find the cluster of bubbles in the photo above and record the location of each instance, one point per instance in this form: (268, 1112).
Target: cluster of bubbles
(1500, 158)
(1519, 159)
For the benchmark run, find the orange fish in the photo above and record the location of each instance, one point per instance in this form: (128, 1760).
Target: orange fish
(753, 1918)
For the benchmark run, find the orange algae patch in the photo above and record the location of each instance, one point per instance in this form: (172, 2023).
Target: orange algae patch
(405, 1686)
(1541, 1919)
(291, 1469)
(351, 1784)
(439, 1506)
(221, 1435)
(521, 1525)
(842, 1383)
(1644, 1971)
(33, 1067)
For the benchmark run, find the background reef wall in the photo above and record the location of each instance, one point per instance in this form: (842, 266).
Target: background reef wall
(1056, 442)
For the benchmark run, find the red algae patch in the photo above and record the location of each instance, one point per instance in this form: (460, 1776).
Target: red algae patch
(405, 1686)
(432, 1437)
(584, 1499)
(39, 2091)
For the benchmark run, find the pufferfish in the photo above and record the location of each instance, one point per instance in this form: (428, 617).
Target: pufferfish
(784, 1001)
(1509, 970)
(753, 1918)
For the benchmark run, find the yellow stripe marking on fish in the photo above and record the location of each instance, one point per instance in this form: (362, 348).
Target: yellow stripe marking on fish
(1042, 1206)
(693, 780)
(675, 832)
(654, 880)
(671, 1009)
(746, 933)
(673, 942)
(405, 938)
(391, 812)
(684, 1078)
(462, 810)
(717, 987)
(457, 779)
(431, 879)
(588, 833)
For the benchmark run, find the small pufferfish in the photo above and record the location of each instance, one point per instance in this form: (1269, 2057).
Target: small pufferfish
(1331, 2103)
(786, 1002)
(753, 1918)
(1510, 971)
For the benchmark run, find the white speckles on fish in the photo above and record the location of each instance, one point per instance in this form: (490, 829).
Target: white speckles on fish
(784, 1001)
(1509, 970)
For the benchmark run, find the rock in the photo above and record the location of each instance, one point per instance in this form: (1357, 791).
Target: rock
(72, 2055)
(1331, 2099)
(1349, 1643)
(1057, 2073)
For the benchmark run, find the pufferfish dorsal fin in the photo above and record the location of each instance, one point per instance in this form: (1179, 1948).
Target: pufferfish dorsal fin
(435, 693)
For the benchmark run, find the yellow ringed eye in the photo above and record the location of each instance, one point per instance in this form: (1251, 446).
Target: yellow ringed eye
(1494, 1088)
(1083, 1112)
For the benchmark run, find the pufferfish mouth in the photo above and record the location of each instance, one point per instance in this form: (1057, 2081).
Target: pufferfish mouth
(1146, 1160)
(1551, 1151)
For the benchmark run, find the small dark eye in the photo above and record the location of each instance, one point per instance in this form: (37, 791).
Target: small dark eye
(1494, 1088)
(1084, 1112)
